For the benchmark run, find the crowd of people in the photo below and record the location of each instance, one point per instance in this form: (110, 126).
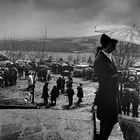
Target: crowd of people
(61, 87)
(8, 76)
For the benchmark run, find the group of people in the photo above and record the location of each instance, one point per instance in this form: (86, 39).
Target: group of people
(60, 88)
(8, 76)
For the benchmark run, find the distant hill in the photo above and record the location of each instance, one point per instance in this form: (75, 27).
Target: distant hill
(69, 44)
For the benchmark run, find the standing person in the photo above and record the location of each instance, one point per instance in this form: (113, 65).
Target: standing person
(30, 81)
(106, 97)
(62, 85)
(59, 83)
(135, 103)
(33, 87)
(70, 93)
(54, 95)
(69, 82)
(49, 75)
(126, 101)
(1, 80)
(45, 94)
(26, 70)
(79, 93)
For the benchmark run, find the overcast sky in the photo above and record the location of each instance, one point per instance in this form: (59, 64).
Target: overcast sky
(60, 18)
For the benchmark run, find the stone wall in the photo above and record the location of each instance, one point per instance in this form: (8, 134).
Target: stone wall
(130, 127)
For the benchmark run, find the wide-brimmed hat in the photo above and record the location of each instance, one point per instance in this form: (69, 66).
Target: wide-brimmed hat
(105, 40)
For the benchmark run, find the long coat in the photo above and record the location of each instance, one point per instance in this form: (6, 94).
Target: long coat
(54, 93)
(80, 92)
(106, 72)
(70, 92)
(45, 92)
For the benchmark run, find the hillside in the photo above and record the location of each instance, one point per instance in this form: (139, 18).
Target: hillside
(85, 44)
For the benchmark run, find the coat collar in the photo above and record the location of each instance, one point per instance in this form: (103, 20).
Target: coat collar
(107, 59)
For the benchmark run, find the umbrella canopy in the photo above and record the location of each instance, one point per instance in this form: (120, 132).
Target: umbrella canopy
(121, 32)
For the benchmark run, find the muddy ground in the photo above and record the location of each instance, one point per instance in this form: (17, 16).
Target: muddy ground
(17, 95)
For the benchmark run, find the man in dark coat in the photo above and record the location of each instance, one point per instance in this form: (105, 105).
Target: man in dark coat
(79, 93)
(54, 95)
(126, 101)
(69, 82)
(70, 93)
(58, 82)
(106, 97)
(135, 103)
(45, 94)
(62, 85)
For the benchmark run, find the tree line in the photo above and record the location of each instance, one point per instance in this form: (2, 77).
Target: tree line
(51, 45)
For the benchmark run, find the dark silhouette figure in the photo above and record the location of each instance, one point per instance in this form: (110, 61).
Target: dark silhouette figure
(79, 93)
(45, 94)
(70, 93)
(106, 97)
(126, 101)
(69, 82)
(58, 83)
(54, 95)
(49, 77)
(135, 103)
(62, 85)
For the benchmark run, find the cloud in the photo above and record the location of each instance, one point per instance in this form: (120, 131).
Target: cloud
(65, 17)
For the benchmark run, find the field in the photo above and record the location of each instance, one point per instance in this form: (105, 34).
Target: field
(16, 95)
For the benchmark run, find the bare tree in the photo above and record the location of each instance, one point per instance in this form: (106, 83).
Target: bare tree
(43, 42)
(70, 58)
(13, 54)
(125, 55)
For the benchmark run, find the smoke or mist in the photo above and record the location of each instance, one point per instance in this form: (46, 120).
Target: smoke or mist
(30, 18)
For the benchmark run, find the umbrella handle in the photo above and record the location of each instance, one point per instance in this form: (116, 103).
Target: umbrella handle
(94, 124)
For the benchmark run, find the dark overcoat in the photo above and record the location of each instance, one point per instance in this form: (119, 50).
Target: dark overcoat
(80, 92)
(70, 92)
(105, 70)
(45, 92)
(54, 93)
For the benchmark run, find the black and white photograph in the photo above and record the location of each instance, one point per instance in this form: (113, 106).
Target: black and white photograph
(69, 70)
